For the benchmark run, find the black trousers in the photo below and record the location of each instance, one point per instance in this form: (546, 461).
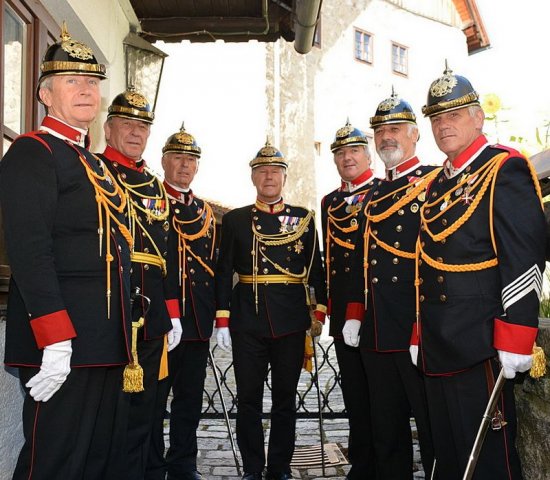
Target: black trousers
(355, 391)
(396, 391)
(79, 433)
(251, 356)
(456, 405)
(142, 409)
(187, 372)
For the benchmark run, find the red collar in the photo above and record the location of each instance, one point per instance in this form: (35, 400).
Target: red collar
(115, 156)
(270, 207)
(70, 133)
(466, 156)
(177, 194)
(366, 176)
(399, 170)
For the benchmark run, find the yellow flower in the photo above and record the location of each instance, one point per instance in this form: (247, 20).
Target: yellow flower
(491, 103)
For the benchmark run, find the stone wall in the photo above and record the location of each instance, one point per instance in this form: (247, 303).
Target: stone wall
(533, 408)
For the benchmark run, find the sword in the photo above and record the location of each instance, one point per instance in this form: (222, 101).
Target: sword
(225, 415)
(485, 421)
(321, 430)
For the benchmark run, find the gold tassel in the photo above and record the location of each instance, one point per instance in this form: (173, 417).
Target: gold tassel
(163, 368)
(308, 354)
(538, 368)
(133, 373)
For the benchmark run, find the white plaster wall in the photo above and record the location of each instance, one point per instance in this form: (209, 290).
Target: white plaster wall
(348, 88)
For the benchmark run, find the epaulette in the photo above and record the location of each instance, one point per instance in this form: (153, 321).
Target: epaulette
(36, 135)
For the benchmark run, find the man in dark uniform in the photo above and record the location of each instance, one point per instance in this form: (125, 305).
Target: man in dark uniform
(481, 258)
(273, 248)
(341, 214)
(384, 299)
(127, 129)
(68, 321)
(191, 259)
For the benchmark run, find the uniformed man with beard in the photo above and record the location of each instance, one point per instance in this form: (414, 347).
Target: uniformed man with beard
(383, 301)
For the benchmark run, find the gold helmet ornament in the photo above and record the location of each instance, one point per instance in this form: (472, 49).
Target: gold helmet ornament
(347, 136)
(268, 155)
(449, 92)
(182, 142)
(131, 104)
(393, 110)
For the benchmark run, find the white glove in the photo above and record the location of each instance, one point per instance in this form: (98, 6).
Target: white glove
(413, 350)
(55, 367)
(174, 335)
(514, 362)
(350, 332)
(224, 339)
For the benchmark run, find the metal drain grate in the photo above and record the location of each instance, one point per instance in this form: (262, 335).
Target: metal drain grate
(305, 457)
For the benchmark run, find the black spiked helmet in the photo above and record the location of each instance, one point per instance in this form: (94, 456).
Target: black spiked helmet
(347, 136)
(131, 104)
(393, 110)
(268, 155)
(449, 92)
(182, 142)
(70, 57)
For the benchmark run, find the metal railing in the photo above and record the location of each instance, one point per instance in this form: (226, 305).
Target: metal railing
(332, 405)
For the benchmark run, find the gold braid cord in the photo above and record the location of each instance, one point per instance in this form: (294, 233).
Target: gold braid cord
(333, 221)
(160, 201)
(418, 188)
(106, 206)
(275, 240)
(185, 238)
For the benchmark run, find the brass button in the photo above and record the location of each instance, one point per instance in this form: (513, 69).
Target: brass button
(443, 240)
(439, 259)
(192, 270)
(373, 261)
(332, 259)
(189, 259)
(193, 284)
(346, 269)
(399, 228)
(375, 280)
(164, 254)
(146, 250)
(289, 248)
(440, 279)
(266, 270)
(373, 246)
(419, 261)
(346, 254)
(427, 211)
(443, 298)
(288, 259)
(420, 281)
(422, 227)
(444, 221)
(400, 212)
(394, 279)
(146, 267)
(421, 298)
(206, 283)
(333, 272)
(396, 244)
(264, 259)
(375, 232)
(395, 260)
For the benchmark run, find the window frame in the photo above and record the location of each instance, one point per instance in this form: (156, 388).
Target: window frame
(406, 62)
(370, 52)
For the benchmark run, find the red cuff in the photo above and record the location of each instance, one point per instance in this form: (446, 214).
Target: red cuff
(52, 328)
(320, 315)
(222, 322)
(173, 307)
(329, 306)
(355, 311)
(514, 338)
(414, 334)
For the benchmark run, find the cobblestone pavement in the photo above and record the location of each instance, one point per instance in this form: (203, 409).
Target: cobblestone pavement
(216, 461)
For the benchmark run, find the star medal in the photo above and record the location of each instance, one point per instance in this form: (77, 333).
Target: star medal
(298, 246)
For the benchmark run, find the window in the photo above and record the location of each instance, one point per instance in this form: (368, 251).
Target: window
(363, 46)
(400, 59)
(317, 34)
